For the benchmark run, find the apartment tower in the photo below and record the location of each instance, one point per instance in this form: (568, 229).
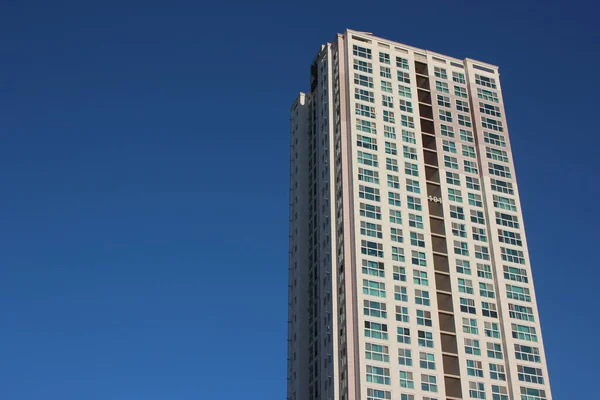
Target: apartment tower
(409, 274)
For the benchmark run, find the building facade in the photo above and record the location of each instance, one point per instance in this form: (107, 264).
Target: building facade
(409, 274)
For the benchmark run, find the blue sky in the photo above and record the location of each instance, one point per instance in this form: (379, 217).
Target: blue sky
(144, 167)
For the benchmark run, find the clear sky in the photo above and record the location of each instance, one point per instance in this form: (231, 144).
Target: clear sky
(144, 183)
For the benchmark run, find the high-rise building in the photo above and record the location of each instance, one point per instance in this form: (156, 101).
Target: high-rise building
(409, 274)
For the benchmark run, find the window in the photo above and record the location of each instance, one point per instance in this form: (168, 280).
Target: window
(396, 235)
(368, 193)
(458, 77)
(476, 390)
(511, 221)
(373, 268)
(374, 309)
(361, 52)
(374, 288)
(455, 195)
(489, 109)
(388, 116)
(406, 380)
(407, 121)
(403, 76)
(411, 169)
(426, 360)
(489, 309)
(391, 164)
(459, 230)
(502, 186)
(418, 258)
(384, 58)
(366, 142)
(386, 86)
(461, 248)
(475, 200)
(470, 166)
(405, 106)
(399, 273)
(371, 248)
(452, 178)
(414, 203)
(494, 350)
(509, 237)
(441, 87)
(530, 374)
(363, 80)
(367, 175)
(499, 393)
(417, 239)
(443, 101)
(365, 126)
(397, 254)
(465, 286)
(401, 62)
(463, 267)
(482, 252)
(467, 305)
(527, 353)
(486, 290)
(524, 332)
(395, 216)
(370, 229)
(497, 372)
(394, 199)
(440, 72)
(473, 183)
(449, 146)
(422, 297)
(376, 330)
(485, 81)
(403, 335)
(409, 152)
(405, 357)
(484, 271)
(465, 135)
(364, 95)
(367, 159)
(385, 72)
(425, 339)
(387, 101)
(472, 347)
(523, 313)
(375, 394)
(400, 293)
(469, 325)
(408, 136)
(462, 105)
(450, 162)
(420, 278)
(457, 212)
(468, 151)
(487, 95)
(474, 368)
(512, 255)
(495, 154)
(378, 375)
(447, 130)
(518, 293)
(363, 66)
(493, 124)
(423, 318)
(404, 91)
(415, 221)
(445, 115)
(492, 330)
(389, 132)
(495, 139)
(464, 120)
(393, 181)
(390, 148)
(402, 313)
(364, 110)
(370, 211)
(429, 382)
